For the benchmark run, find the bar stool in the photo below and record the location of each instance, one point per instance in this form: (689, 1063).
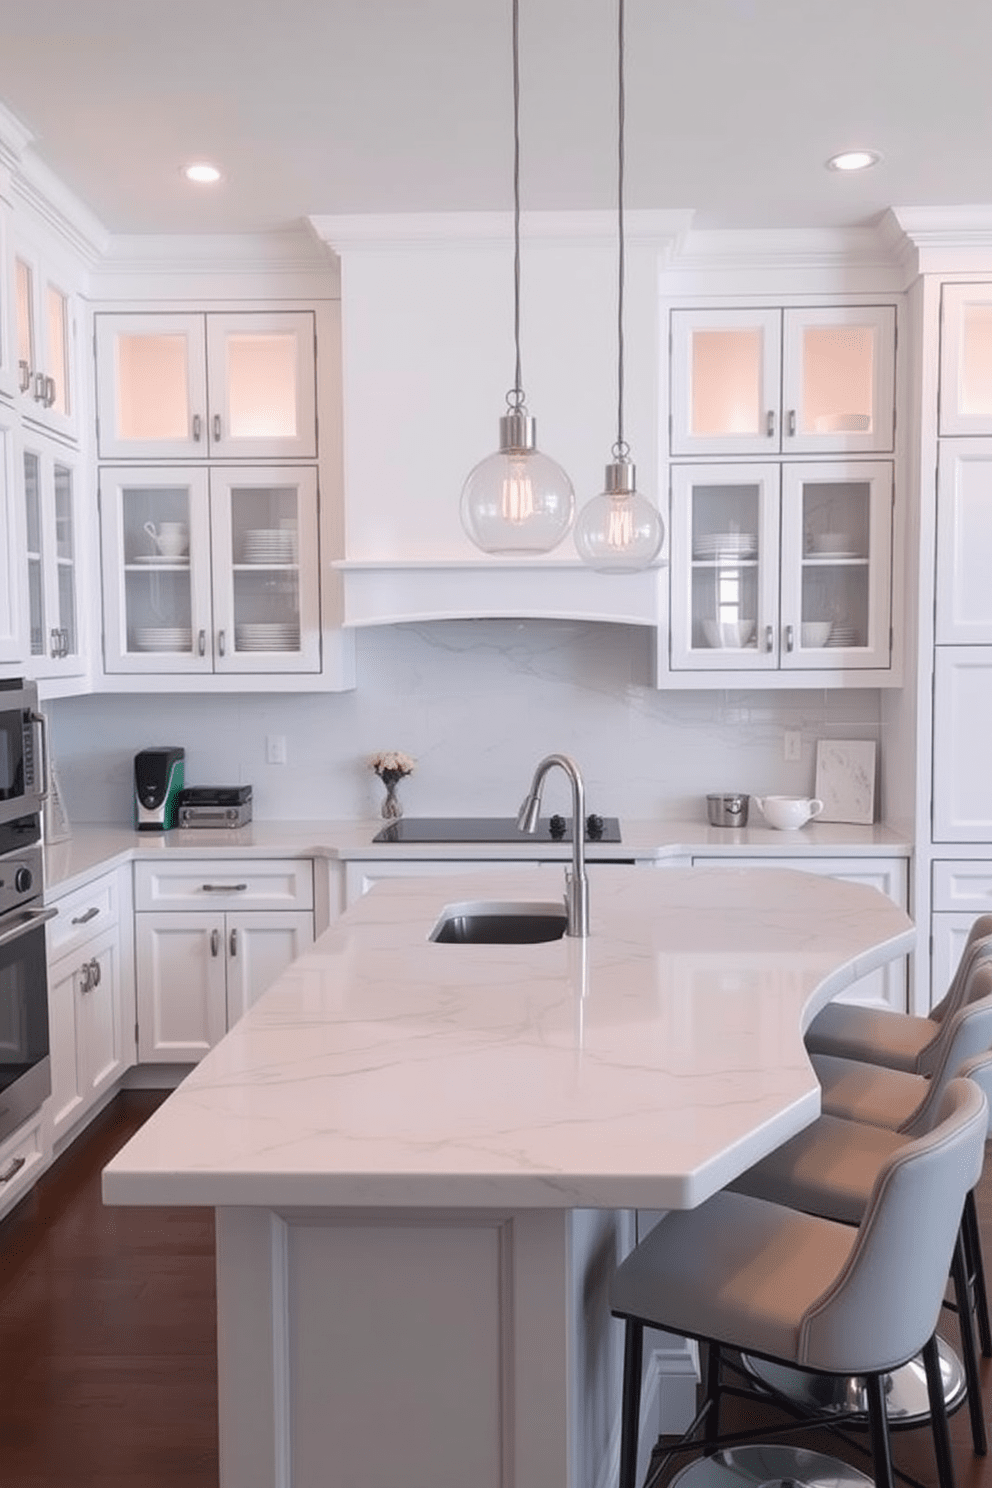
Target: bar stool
(899, 1040)
(830, 1169)
(742, 1273)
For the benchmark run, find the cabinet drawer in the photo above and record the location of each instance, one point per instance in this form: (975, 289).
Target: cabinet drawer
(224, 883)
(83, 913)
(963, 885)
(21, 1160)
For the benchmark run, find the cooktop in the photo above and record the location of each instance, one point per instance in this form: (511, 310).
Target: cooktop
(495, 829)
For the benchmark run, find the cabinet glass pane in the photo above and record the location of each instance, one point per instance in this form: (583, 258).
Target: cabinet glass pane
(152, 387)
(157, 577)
(726, 381)
(36, 590)
(975, 385)
(25, 316)
(261, 385)
(65, 558)
(56, 312)
(838, 380)
(265, 565)
(725, 558)
(836, 566)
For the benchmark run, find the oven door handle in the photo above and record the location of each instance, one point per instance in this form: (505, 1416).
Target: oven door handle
(30, 921)
(42, 722)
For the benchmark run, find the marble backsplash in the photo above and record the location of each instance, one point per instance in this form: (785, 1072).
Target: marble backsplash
(477, 703)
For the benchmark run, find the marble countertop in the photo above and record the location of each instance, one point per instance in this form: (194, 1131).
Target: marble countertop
(91, 849)
(643, 1067)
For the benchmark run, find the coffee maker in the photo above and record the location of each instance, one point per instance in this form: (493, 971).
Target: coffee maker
(158, 779)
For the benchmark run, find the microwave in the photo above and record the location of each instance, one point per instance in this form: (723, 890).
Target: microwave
(23, 750)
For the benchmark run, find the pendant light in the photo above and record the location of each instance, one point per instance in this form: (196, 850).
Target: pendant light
(619, 531)
(517, 500)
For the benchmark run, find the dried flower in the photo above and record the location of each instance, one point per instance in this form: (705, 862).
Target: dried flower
(391, 765)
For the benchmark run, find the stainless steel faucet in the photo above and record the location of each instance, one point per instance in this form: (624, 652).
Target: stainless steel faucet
(576, 882)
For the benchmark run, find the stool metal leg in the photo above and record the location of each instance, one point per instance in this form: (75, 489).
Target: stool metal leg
(938, 1416)
(976, 1270)
(711, 1426)
(969, 1355)
(878, 1425)
(630, 1411)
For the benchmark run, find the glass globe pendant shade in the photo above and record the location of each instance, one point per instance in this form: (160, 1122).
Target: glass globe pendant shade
(517, 500)
(619, 531)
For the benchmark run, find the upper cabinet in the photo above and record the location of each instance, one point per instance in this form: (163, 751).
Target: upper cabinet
(217, 385)
(50, 477)
(965, 394)
(794, 381)
(44, 322)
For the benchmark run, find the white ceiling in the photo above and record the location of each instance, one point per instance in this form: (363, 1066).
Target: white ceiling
(354, 106)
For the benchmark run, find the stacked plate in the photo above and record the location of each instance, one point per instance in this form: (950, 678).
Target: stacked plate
(267, 637)
(842, 635)
(269, 545)
(164, 638)
(734, 545)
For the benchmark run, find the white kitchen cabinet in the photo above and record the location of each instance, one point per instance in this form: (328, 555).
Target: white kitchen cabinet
(49, 477)
(13, 570)
(963, 610)
(796, 381)
(886, 987)
(781, 568)
(23, 1158)
(961, 890)
(218, 385)
(91, 1005)
(361, 873)
(210, 570)
(199, 968)
(8, 359)
(45, 311)
(962, 721)
(965, 393)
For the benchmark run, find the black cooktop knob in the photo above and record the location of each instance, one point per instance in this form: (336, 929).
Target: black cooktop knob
(557, 826)
(23, 879)
(594, 827)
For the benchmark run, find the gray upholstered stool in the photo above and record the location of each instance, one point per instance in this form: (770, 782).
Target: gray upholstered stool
(830, 1169)
(745, 1274)
(899, 1040)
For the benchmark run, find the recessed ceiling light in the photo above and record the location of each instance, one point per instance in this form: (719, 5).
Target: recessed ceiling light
(202, 173)
(853, 160)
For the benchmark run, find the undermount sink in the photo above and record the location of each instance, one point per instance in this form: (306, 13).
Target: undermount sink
(484, 923)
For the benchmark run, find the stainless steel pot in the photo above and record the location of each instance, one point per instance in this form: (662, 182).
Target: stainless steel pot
(727, 810)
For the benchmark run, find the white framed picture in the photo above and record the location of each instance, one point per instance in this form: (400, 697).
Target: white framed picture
(845, 780)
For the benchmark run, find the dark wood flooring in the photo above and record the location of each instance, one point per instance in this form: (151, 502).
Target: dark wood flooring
(108, 1333)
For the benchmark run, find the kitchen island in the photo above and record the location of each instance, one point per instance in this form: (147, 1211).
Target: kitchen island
(425, 1159)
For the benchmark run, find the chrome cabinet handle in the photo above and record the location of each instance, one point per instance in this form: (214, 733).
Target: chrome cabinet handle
(233, 942)
(95, 973)
(214, 942)
(790, 638)
(201, 642)
(221, 643)
(86, 976)
(11, 1171)
(64, 647)
(769, 638)
(24, 379)
(197, 427)
(54, 643)
(49, 392)
(84, 919)
(791, 424)
(770, 423)
(216, 426)
(40, 389)
(238, 888)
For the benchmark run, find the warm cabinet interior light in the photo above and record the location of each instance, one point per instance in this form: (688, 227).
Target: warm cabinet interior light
(202, 173)
(853, 160)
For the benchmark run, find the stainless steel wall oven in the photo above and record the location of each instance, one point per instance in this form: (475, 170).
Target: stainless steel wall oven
(25, 1066)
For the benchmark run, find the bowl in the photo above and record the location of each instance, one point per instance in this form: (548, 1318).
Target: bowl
(728, 634)
(832, 542)
(815, 632)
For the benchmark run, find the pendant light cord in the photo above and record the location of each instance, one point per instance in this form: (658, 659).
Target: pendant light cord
(515, 398)
(621, 449)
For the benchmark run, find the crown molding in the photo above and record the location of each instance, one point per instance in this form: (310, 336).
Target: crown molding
(784, 260)
(944, 240)
(291, 263)
(487, 229)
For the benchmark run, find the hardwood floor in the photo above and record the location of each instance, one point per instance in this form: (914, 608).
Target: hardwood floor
(108, 1331)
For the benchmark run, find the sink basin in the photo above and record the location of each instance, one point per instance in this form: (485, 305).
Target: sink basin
(484, 923)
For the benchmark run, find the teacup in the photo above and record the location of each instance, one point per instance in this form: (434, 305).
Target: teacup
(171, 538)
(788, 812)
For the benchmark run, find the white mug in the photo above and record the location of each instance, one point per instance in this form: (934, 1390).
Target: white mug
(171, 538)
(788, 812)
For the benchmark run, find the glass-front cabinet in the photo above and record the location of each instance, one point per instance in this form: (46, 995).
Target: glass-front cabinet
(217, 385)
(781, 567)
(44, 345)
(794, 381)
(50, 483)
(210, 570)
(965, 396)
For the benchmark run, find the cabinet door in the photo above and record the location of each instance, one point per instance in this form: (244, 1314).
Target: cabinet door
(266, 571)
(50, 491)
(155, 537)
(259, 948)
(724, 567)
(836, 566)
(963, 613)
(101, 1055)
(181, 985)
(965, 395)
(838, 380)
(725, 375)
(151, 387)
(262, 386)
(68, 1088)
(962, 713)
(8, 339)
(13, 572)
(45, 336)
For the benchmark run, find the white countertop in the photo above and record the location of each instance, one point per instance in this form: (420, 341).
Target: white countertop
(643, 1067)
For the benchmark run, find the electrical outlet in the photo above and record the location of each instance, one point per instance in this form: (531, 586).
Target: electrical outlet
(275, 749)
(792, 746)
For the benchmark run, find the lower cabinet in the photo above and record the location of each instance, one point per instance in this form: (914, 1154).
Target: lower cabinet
(886, 987)
(23, 1157)
(199, 968)
(91, 1008)
(962, 890)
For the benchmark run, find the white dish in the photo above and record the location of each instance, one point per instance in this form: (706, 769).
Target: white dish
(161, 561)
(815, 632)
(728, 635)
